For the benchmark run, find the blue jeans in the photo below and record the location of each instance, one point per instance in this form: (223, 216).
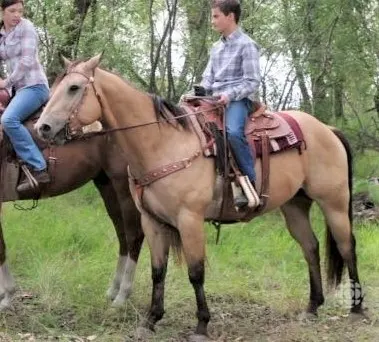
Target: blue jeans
(24, 103)
(237, 113)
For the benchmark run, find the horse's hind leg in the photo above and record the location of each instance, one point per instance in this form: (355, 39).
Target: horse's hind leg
(126, 220)
(296, 213)
(341, 246)
(7, 285)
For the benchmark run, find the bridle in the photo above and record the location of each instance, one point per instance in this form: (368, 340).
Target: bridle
(74, 128)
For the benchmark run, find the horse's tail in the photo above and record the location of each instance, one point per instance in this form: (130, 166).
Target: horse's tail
(335, 263)
(175, 244)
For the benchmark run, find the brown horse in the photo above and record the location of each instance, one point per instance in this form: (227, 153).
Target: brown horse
(75, 164)
(155, 138)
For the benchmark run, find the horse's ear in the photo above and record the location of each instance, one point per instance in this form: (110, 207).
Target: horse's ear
(66, 61)
(92, 63)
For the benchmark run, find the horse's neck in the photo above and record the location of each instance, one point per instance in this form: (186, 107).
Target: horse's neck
(128, 105)
(124, 105)
(151, 144)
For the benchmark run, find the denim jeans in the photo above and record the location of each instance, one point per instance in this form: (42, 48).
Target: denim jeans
(237, 113)
(24, 103)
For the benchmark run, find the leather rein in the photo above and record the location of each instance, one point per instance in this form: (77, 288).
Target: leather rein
(78, 134)
(147, 178)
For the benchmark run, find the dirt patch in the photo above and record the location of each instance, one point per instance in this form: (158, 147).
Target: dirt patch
(239, 320)
(29, 320)
(234, 319)
(364, 208)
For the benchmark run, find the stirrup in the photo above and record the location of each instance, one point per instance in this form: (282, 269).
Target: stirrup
(239, 198)
(249, 192)
(29, 181)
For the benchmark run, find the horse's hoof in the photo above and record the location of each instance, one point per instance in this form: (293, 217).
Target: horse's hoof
(5, 303)
(118, 302)
(123, 295)
(358, 317)
(143, 334)
(112, 293)
(198, 338)
(307, 317)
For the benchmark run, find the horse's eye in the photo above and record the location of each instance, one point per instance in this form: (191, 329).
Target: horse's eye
(74, 88)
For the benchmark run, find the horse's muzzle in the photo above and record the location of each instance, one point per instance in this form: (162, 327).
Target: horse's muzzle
(45, 131)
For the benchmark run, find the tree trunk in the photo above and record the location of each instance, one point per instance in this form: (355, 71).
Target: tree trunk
(74, 29)
(338, 98)
(296, 59)
(321, 104)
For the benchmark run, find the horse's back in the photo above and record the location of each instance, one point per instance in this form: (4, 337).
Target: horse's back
(324, 157)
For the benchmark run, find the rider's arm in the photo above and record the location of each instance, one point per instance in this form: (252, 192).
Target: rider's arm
(28, 41)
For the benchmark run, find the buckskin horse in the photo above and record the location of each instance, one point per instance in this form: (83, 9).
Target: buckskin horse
(70, 167)
(173, 183)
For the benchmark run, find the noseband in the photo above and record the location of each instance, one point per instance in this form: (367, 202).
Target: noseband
(73, 127)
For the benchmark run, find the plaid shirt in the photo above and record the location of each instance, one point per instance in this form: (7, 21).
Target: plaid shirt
(19, 51)
(233, 67)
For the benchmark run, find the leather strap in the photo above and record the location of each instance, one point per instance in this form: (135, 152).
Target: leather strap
(52, 163)
(166, 170)
(265, 187)
(265, 182)
(159, 173)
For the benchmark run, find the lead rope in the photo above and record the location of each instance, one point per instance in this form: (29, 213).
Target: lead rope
(217, 226)
(20, 207)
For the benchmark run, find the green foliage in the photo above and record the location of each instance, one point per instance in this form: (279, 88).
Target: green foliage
(321, 56)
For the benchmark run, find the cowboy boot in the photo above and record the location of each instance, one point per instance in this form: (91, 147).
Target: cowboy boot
(42, 177)
(241, 201)
(239, 198)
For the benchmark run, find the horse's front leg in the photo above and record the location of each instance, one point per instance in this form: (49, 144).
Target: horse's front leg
(191, 228)
(158, 238)
(118, 213)
(7, 286)
(134, 238)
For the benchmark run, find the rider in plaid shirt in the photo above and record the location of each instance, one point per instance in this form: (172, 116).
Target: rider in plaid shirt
(19, 51)
(233, 67)
(233, 73)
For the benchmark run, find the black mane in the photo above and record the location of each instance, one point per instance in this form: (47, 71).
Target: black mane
(164, 108)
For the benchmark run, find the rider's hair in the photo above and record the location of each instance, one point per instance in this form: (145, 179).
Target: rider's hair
(228, 6)
(7, 3)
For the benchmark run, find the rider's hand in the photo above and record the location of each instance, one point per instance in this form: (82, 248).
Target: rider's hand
(223, 99)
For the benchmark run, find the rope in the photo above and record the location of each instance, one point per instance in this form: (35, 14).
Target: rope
(19, 207)
(111, 130)
(217, 226)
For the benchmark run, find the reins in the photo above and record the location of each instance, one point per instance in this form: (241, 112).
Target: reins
(75, 110)
(88, 135)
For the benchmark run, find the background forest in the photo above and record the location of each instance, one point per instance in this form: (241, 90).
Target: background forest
(318, 55)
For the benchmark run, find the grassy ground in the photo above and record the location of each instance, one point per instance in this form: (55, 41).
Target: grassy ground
(63, 256)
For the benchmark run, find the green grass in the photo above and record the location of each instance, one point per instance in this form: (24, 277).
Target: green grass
(64, 253)
(366, 165)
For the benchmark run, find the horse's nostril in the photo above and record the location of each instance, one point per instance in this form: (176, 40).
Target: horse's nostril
(45, 128)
